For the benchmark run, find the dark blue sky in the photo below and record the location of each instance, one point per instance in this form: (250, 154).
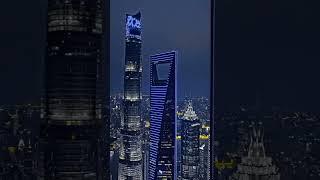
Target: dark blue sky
(182, 25)
(268, 48)
(22, 45)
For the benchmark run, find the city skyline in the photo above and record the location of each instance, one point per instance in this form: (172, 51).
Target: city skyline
(164, 31)
(31, 39)
(23, 39)
(56, 121)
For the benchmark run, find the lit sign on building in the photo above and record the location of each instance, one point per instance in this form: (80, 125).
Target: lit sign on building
(133, 26)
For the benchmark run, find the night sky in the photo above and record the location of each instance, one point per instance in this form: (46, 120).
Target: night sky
(182, 25)
(268, 48)
(21, 51)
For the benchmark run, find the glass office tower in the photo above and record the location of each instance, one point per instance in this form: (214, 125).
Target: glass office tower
(74, 126)
(190, 144)
(130, 157)
(163, 130)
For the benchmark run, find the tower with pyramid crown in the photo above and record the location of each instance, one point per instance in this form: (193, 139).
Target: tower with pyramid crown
(190, 144)
(256, 165)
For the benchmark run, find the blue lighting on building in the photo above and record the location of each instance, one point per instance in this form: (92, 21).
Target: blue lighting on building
(133, 25)
(163, 153)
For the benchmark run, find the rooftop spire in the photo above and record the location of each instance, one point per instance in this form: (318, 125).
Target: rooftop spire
(256, 147)
(190, 114)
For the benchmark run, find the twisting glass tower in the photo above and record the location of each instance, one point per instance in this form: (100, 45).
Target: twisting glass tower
(74, 127)
(130, 158)
(190, 144)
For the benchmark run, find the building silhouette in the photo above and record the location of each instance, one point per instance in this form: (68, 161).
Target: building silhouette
(17, 154)
(190, 144)
(130, 156)
(256, 165)
(163, 126)
(74, 127)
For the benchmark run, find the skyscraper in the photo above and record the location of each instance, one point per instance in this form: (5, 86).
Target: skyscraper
(256, 165)
(163, 126)
(190, 144)
(130, 157)
(74, 126)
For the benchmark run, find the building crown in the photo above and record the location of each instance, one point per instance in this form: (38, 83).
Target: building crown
(190, 114)
(256, 146)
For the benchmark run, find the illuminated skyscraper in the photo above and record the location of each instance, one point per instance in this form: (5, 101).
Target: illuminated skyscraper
(74, 126)
(130, 157)
(256, 165)
(163, 126)
(190, 144)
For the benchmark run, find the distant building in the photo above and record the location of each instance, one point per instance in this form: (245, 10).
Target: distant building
(190, 144)
(256, 165)
(163, 123)
(17, 159)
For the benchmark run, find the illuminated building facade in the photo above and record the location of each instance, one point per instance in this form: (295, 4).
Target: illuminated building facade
(204, 148)
(131, 157)
(190, 144)
(74, 128)
(256, 165)
(163, 126)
